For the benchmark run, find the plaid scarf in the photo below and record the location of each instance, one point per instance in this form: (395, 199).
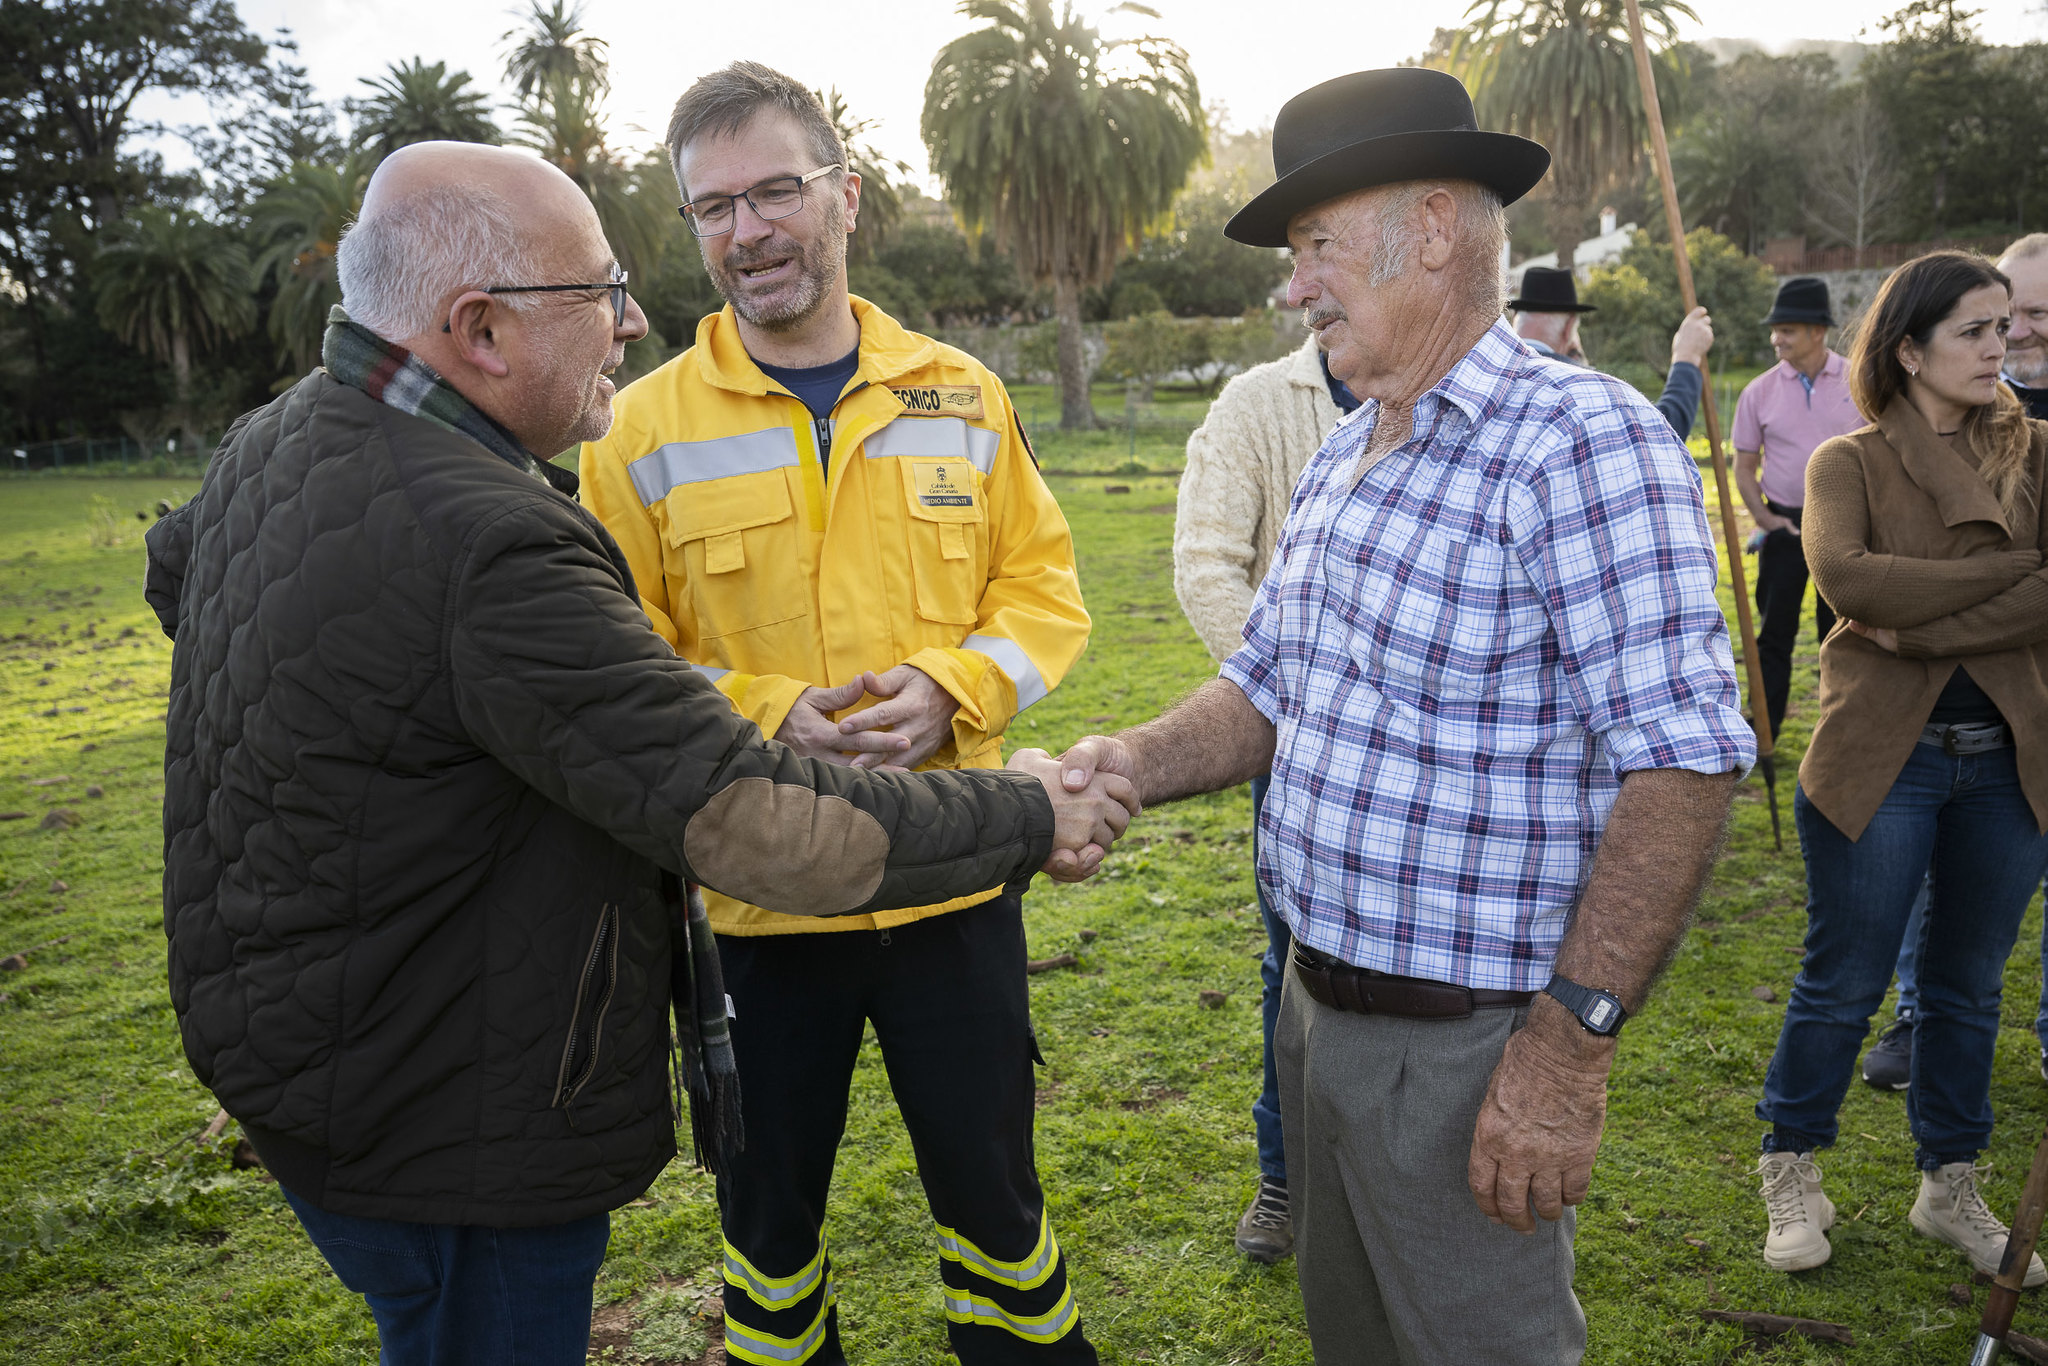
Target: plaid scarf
(394, 376)
(356, 356)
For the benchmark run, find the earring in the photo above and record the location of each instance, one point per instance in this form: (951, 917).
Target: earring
(1913, 370)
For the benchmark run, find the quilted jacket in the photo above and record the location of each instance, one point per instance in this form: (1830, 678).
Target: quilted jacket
(426, 774)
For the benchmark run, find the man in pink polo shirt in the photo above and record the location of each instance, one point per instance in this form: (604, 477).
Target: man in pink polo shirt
(1781, 417)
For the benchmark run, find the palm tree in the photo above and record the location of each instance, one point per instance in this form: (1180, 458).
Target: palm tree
(299, 216)
(1562, 72)
(172, 284)
(565, 124)
(1068, 146)
(881, 198)
(420, 103)
(553, 46)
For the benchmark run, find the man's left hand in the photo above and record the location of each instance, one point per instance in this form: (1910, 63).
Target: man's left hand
(915, 712)
(1539, 1126)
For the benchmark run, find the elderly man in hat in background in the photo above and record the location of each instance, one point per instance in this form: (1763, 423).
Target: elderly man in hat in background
(1547, 320)
(1495, 692)
(1780, 420)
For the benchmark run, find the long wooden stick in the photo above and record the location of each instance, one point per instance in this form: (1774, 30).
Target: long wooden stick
(2019, 1250)
(1760, 713)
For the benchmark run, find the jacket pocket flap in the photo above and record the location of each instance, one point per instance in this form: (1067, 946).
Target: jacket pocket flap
(715, 507)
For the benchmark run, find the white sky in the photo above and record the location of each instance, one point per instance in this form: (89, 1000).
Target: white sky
(879, 55)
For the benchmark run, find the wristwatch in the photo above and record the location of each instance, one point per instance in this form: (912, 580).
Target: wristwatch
(1599, 1012)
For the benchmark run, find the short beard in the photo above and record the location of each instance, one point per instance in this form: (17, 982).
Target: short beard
(2029, 364)
(816, 272)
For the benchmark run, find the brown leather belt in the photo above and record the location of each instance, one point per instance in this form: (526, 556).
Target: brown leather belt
(1365, 992)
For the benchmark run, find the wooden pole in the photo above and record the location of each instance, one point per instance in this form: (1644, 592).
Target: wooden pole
(1760, 713)
(2012, 1269)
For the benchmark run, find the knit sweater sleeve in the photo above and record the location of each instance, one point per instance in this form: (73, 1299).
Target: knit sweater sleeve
(1876, 589)
(1216, 525)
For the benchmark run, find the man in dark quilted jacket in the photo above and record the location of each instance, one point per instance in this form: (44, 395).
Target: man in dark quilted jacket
(432, 785)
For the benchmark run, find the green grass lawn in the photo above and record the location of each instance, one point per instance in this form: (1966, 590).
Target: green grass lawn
(126, 1237)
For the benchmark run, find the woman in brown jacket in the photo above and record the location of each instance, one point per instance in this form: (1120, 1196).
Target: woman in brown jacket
(1926, 530)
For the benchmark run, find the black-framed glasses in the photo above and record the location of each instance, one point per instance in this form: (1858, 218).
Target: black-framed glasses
(771, 199)
(616, 286)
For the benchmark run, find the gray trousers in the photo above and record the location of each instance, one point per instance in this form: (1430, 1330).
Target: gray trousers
(1397, 1264)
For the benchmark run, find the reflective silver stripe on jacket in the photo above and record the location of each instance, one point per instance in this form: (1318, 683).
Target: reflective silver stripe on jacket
(765, 1349)
(695, 462)
(966, 1307)
(1011, 659)
(935, 436)
(713, 674)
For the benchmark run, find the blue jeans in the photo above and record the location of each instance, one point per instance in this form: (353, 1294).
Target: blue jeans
(1272, 972)
(1967, 818)
(1909, 968)
(461, 1295)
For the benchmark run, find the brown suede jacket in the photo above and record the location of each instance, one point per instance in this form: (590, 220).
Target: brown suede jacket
(1902, 532)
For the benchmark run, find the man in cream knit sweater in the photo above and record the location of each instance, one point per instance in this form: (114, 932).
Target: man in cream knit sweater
(1242, 464)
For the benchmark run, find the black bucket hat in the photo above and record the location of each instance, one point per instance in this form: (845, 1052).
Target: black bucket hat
(1546, 289)
(1803, 299)
(1375, 128)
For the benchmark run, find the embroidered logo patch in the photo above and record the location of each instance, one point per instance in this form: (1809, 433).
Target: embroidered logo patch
(941, 484)
(942, 400)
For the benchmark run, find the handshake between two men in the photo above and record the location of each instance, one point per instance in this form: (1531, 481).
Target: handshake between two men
(912, 719)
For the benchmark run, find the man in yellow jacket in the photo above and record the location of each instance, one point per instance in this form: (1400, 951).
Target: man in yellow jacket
(841, 522)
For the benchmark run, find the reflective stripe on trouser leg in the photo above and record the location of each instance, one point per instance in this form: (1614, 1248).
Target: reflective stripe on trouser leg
(774, 1293)
(1029, 1297)
(745, 1343)
(778, 1318)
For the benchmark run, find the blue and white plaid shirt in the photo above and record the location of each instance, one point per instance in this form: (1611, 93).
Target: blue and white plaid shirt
(1465, 650)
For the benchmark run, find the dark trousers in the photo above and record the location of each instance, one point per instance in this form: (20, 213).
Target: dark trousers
(1780, 597)
(1272, 972)
(947, 998)
(460, 1295)
(1968, 818)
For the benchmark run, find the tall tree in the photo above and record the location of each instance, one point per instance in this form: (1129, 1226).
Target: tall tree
(1854, 184)
(1745, 155)
(553, 46)
(1561, 72)
(1068, 146)
(173, 285)
(415, 102)
(299, 216)
(881, 196)
(636, 205)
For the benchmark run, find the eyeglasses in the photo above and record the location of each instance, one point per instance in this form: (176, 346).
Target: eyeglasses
(771, 199)
(616, 286)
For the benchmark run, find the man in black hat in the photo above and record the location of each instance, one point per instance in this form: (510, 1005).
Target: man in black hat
(1782, 417)
(1496, 696)
(1547, 320)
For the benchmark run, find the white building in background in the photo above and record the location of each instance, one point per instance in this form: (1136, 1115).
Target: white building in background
(1603, 250)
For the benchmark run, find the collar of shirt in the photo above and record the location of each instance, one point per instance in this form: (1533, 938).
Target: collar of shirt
(1470, 393)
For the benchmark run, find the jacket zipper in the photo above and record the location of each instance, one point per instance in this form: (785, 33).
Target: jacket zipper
(586, 1028)
(821, 433)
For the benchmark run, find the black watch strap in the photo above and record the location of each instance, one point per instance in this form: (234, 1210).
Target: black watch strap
(1599, 1012)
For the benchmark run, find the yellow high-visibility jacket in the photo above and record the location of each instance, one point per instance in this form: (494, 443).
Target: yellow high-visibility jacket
(927, 538)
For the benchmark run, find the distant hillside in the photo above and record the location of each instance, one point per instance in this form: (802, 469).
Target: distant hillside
(1848, 56)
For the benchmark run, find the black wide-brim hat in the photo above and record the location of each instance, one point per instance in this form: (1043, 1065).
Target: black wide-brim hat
(1376, 128)
(1546, 289)
(1802, 299)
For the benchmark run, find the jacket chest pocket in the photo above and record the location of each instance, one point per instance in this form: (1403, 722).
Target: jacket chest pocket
(737, 541)
(948, 536)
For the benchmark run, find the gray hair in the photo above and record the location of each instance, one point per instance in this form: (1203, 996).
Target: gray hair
(400, 262)
(726, 101)
(1483, 232)
(2026, 249)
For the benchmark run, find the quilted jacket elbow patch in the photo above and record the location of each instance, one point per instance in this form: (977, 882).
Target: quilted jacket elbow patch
(787, 848)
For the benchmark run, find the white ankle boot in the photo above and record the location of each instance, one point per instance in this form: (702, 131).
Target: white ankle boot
(1952, 1210)
(1800, 1214)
